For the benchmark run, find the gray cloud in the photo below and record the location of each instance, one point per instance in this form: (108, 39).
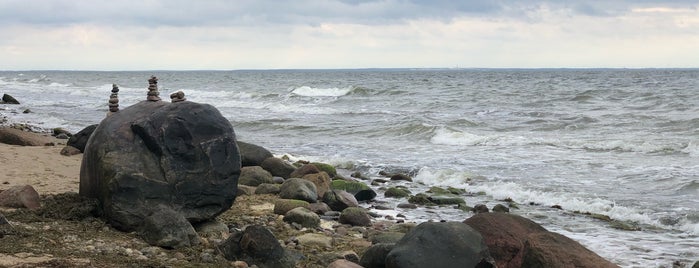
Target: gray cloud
(286, 12)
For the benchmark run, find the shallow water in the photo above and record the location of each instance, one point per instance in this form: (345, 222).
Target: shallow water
(621, 143)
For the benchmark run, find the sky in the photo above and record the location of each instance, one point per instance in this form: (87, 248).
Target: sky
(338, 34)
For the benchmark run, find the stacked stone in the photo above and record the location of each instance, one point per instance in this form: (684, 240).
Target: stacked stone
(177, 96)
(153, 94)
(114, 99)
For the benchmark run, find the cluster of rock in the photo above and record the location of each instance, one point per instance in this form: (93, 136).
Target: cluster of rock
(153, 93)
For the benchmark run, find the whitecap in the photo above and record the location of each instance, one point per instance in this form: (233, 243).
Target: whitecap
(307, 91)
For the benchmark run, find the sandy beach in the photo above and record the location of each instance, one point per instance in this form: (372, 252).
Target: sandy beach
(42, 167)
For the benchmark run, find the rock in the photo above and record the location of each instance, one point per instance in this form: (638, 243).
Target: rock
(396, 192)
(27, 111)
(278, 167)
(7, 99)
(268, 188)
(339, 200)
(20, 197)
(18, 137)
(70, 150)
(505, 235)
(300, 189)
(360, 190)
(321, 180)
(447, 200)
(246, 190)
(315, 240)
(407, 205)
(304, 170)
(254, 176)
(256, 245)
(696, 265)
(420, 199)
(167, 228)
(79, 140)
(501, 208)
(181, 155)
(343, 264)
(387, 237)
(212, 228)
(375, 256)
(355, 216)
(440, 244)
(302, 216)
(319, 208)
(252, 155)
(58, 131)
(480, 208)
(401, 177)
(282, 206)
(549, 249)
(330, 169)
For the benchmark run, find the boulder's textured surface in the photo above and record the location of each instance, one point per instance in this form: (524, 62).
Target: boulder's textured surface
(14, 136)
(278, 167)
(549, 249)
(181, 155)
(440, 244)
(300, 189)
(7, 99)
(20, 197)
(256, 244)
(167, 228)
(254, 176)
(252, 155)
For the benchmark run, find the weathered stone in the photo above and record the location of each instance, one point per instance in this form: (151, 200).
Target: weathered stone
(180, 155)
(339, 200)
(355, 216)
(315, 240)
(360, 190)
(302, 216)
(278, 167)
(282, 206)
(300, 189)
(252, 155)
(375, 256)
(396, 192)
(321, 180)
(304, 170)
(319, 208)
(257, 245)
(169, 229)
(268, 188)
(7, 99)
(440, 244)
(505, 235)
(20, 197)
(328, 168)
(246, 190)
(14, 136)
(79, 140)
(501, 208)
(343, 264)
(254, 176)
(212, 228)
(401, 177)
(446, 200)
(549, 249)
(386, 237)
(480, 208)
(70, 150)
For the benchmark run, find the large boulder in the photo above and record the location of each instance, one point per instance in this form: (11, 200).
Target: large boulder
(278, 167)
(7, 99)
(440, 244)
(549, 249)
(257, 245)
(180, 155)
(252, 155)
(14, 136)
(505, 235)
(300, 189)
(79, 140)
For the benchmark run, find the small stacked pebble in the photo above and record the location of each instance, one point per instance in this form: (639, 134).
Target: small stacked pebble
(114, 99)
(177, 96)
(153, 94)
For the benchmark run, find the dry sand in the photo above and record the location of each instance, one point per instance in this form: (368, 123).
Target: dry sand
(42, 167)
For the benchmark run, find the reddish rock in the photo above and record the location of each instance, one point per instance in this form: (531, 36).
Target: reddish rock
(505, 235)
(321, 180)
(19, 197)
(343, 264)
(549, 249)
(70, 150)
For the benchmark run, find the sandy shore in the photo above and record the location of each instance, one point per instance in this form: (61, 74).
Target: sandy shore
(42, 167)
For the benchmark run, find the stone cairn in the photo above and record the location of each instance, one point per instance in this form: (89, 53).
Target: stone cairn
(177, 96)
(114, 99)
(153, 94)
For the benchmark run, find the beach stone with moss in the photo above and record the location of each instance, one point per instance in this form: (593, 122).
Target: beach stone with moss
(302, 216)
(360, 190)
(282, 206)
(300, 189)
(356, 216)
(179, 155)
(328, 168)
(254, 176)
(304, 170)
(339, 200)
(278, 167)
(396, 192)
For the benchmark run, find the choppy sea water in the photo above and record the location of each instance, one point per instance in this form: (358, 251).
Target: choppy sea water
(620, 143)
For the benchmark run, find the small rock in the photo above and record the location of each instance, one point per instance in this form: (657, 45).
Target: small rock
(343, 264)
(302, 216)
(27, 111)
(240, 264)
(315, 240)
(501, 208)
(7, 99)
(401, 177)
(355, 216)
(480, 208)
(20, 197)
(282, 206)
(70, 150)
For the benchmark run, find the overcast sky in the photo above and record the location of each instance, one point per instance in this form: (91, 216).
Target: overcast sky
(305, 34)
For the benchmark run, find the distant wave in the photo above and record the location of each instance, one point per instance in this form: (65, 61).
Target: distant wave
(307, 91)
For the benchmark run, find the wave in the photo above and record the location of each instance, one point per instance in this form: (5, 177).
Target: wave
(307, 91)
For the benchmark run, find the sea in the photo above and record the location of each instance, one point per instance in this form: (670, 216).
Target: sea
(569, 146)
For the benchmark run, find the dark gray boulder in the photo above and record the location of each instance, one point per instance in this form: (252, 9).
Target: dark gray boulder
(278, 167)
(440, 244)
(339, 200)
(375, 256)
(7, 99)
(169, 229)
(252, 155)
(254, 176)
(299, 189)
(79, 140)
(356, 216)
(181, 155)
(257, 245)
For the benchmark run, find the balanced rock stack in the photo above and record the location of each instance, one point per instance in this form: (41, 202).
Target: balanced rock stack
(177, 96)
(153, 94)
(114, 99)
